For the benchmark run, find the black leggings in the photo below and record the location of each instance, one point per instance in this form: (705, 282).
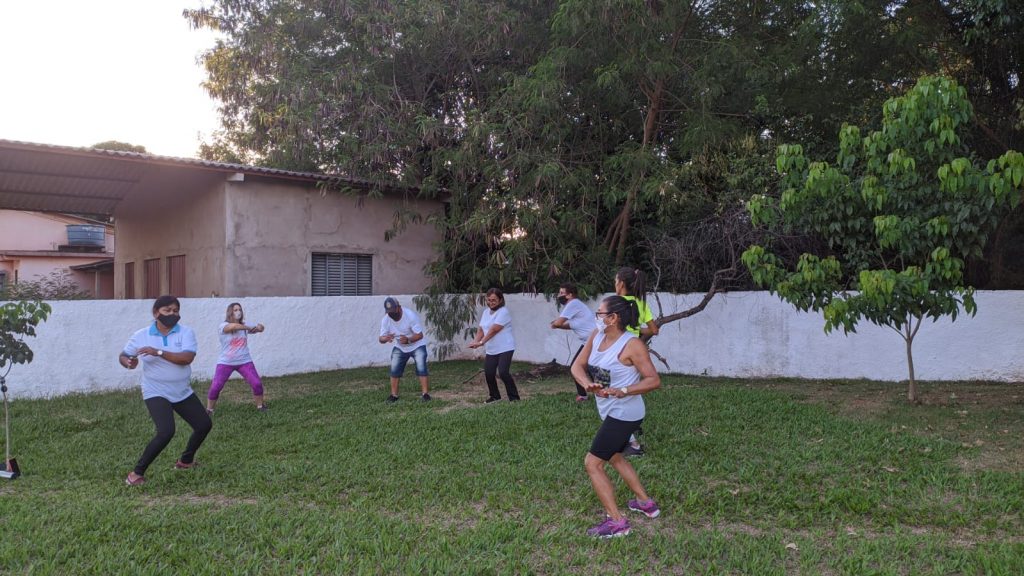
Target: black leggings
(500, 364)
(580, 390)
(162, 410)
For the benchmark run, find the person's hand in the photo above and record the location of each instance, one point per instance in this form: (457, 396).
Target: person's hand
(403, 339)
(388, 338)
(257, 329)
(475, 344)
(595, 388)
(147, 351)
(129, 362)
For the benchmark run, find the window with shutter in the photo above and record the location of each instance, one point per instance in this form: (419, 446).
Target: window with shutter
(151, 277)
(129, 280)
(342, 274)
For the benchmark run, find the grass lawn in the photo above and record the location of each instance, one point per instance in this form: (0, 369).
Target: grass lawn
(753, 477)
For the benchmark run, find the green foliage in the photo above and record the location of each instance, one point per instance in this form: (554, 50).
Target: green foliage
(119, 146)
(901, 210)
(18, 320)
(57, 285)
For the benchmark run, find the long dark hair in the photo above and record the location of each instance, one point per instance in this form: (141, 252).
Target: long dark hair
(633, 279)
(627, 310)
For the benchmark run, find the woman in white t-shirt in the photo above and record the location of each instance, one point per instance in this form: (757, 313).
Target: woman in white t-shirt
(495, 335)
(234, 355)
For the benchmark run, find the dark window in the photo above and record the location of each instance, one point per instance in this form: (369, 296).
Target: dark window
(342, 275)
(129, 280)
(176, 275)
(3, 283)
(151, 278)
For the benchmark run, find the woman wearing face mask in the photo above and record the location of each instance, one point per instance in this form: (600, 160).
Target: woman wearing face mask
(495, 335)
(629, 283)
(166, 350)
(617, 368)
(234, 355)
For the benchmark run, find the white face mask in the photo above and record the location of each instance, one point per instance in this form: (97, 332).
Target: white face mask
(238, 314)
(600, 324)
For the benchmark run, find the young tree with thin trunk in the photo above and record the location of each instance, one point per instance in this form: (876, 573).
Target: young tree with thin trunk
(901, 210)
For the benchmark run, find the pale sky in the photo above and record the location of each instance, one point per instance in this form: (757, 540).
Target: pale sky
(79, 72)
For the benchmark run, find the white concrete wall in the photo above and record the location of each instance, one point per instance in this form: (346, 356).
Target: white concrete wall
(742, 334)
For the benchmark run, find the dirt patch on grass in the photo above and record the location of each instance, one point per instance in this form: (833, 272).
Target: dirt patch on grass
(985, 418)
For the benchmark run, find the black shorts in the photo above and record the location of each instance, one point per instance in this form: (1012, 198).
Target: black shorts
(613, 437)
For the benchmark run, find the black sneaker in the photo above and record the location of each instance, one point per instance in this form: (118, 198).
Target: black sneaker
(489, 400)
(392, 399)
(425, 397)
(633, 451)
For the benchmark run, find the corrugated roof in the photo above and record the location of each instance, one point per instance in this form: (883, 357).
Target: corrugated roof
(51, 178)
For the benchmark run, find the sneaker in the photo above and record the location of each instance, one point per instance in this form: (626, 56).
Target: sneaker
(134, 479)
(185, 465)
(582, 398)
(262, 407)
(492, 399)
(425, 397)
(633, 451)
(650, 509)
(610, 528)
(392, 399)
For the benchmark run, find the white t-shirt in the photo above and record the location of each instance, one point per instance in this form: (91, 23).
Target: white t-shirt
(606, 369)
(408, 325)
(504, 340)
(234, 347)
(581, 319)
(163, 378)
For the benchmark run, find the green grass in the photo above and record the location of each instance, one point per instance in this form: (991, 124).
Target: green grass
(753, 477)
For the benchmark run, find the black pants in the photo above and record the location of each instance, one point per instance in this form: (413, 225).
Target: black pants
(161, 410)
(580, 390)
(500, 364)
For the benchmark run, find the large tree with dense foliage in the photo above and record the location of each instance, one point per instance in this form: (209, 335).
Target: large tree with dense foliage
(901, 209)
(567, 135)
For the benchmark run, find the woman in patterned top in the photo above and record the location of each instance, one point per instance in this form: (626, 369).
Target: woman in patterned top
(234, 355)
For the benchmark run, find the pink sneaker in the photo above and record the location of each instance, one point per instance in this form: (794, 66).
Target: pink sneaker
(610, 529)
(185, 465)
(134, 479)
(649, 509)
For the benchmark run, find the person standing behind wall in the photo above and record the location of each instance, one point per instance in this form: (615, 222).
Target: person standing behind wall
(577, 317)
(402, 328)
(630, 284)
(495, 334)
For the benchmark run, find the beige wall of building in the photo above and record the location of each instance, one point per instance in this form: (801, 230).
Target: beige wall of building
(193, 227)
(274, 228)
(29, 250)
(254, 236)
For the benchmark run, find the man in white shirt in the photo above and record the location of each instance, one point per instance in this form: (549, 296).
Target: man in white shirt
(577, 317)
(403, 329)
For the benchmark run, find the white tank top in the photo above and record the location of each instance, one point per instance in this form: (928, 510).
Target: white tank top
(606, 369)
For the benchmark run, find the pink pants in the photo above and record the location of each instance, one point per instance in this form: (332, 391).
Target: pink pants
(223, 372)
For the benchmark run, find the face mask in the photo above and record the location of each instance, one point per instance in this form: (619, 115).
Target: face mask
(169, 320)
(238, 314)
(562, 300)
(600, 324)
(394, 315)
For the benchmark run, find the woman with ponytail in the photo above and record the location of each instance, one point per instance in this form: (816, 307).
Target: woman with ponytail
(616, 366)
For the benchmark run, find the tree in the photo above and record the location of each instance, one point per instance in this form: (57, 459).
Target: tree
(901, 211)
(17, 320)
(119, 146)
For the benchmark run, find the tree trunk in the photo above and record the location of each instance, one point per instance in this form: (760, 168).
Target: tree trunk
(911, 327)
